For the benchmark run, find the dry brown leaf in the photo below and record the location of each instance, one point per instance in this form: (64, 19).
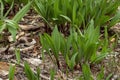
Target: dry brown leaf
(4, 68)
(30, 27)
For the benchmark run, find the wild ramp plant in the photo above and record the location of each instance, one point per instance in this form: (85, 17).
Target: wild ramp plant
(55, 44)
(87, 74)
(31, 75)
(77, 48)
(12, 68)
(4, 22)
(54, 12)
(87, 44)
(79, 15)
(58, 12)
(52, 42)
(68, 53)
(11, 25)
(78, 12)
(102, 12)
(85, 51)
(83, 47)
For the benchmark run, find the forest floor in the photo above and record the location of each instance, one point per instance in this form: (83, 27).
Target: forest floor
(28, 41)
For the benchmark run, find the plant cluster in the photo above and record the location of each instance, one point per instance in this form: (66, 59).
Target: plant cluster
(80, 47)
(11, 24)
(78, 12)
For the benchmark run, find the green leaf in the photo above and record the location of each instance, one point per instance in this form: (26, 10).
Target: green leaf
(99, 57)
(9, 1)
(44, 43)
(38, 73)
(86, 72)
(2, 27)
(22, 12)
(67, 60)
(1, 10)
(52, 74)
(56, 40)
(17, 53)
(74, 12)
(29, 73)
(50, 43)
(68, 43)
(63, 46)
(11, 72)
(115, 19)
(72, 61)
(100, 75)
(12, 27)
(12, 23)
(40, 8)
(11, 6)
(109, 76)
(66, 18)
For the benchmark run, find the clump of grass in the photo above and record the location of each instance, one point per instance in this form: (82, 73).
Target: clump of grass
(78, 12)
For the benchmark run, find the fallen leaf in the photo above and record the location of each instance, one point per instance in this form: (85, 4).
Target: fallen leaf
(34, 61)
(4, 68)
(28, 27)
(112, 40)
